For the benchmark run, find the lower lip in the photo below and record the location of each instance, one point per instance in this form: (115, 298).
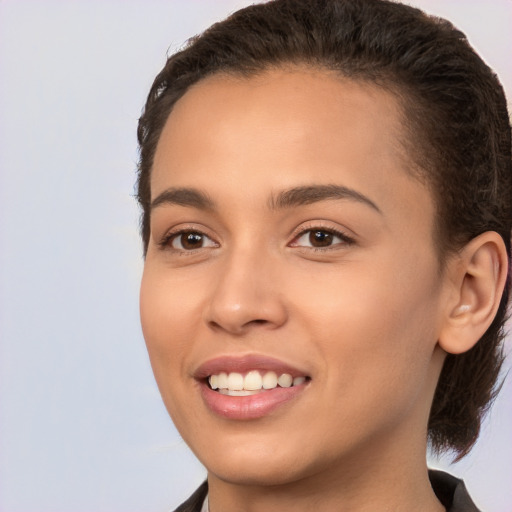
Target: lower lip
(249, 407)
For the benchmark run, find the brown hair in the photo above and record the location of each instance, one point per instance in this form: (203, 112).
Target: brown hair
(459, 137)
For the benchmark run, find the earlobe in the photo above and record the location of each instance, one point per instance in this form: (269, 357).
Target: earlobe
(478, 279)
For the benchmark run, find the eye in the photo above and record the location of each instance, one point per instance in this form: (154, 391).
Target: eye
(320, 238)
(189, 240)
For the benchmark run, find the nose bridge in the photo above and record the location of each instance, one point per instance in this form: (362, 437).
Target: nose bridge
(246, 293)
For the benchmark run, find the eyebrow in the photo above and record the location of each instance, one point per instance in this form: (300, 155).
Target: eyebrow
(297, 196)
(183, 197)
(304, 195)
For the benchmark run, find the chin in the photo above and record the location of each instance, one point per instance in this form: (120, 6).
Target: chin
(258, 472)
(263, 461)
(250, 460)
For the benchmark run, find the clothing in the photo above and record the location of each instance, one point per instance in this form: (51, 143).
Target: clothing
(450, 491)
(195, 502)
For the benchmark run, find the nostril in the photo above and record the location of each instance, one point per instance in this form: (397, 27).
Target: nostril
(239, 329)
(254, 323)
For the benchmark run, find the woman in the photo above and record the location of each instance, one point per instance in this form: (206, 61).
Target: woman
(326, 195)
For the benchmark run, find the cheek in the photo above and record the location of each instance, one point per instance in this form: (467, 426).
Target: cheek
(371, 323)
(168, 322)
(166, 319)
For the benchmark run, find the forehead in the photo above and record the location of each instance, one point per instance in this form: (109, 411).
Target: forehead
(247, 137)
(285, 106)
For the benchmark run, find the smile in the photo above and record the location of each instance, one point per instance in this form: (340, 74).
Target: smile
(249, 387)
(253, 382)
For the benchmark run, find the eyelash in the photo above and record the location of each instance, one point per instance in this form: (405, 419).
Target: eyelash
(165, 243)
(167, 240)
(345, 239)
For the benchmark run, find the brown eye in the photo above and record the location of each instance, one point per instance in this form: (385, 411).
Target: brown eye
(190, 240)
(320, 238)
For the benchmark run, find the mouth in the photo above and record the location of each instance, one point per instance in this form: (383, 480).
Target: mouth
(252, 383)
(251, 387)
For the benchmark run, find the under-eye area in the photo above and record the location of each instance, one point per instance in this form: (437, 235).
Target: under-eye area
(253, 382)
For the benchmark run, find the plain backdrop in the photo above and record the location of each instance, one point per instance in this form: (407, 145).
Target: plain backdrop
(82, 425)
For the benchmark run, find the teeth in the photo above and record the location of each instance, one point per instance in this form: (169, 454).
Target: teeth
(222, 381)
(242, 392)
(299, 380)
(235, 384)
(253, 381)
(269, 380)
(285, 380)
(235, 381)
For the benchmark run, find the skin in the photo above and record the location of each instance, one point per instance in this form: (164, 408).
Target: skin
(361, 317)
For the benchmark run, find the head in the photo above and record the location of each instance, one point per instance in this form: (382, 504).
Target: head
(454, 137)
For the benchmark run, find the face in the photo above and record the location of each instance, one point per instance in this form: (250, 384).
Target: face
(291, 263)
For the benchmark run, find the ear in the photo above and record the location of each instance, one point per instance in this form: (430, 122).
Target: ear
(478, 277)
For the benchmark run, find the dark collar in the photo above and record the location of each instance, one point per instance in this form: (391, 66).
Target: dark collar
(195, 502)
(450, 491)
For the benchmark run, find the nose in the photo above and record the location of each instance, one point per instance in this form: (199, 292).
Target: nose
(246, 295)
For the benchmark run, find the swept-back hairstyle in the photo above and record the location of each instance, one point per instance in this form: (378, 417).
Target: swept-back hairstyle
(454, 113)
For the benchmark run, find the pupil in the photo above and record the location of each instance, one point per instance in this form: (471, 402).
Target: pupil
(191, 240)
(320, 238)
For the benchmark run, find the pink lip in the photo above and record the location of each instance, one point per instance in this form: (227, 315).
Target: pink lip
(242, 364)
(252, 406)
(249, 407)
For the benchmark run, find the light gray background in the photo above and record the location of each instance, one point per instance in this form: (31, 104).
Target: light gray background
(82, 426)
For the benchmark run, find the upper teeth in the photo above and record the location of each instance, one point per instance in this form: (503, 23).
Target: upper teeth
(252, 381)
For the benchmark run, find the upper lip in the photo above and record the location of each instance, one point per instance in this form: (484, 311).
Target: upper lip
(245, 363)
